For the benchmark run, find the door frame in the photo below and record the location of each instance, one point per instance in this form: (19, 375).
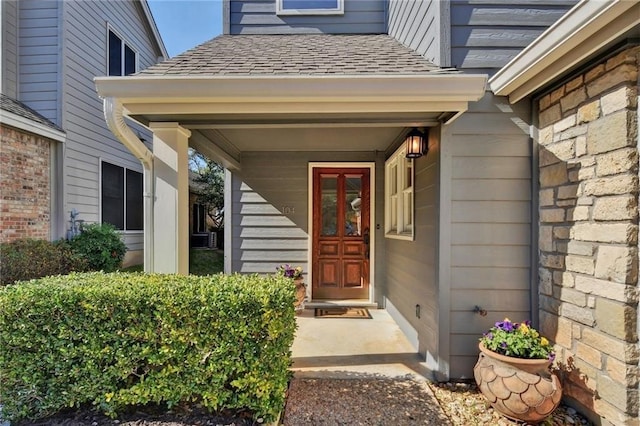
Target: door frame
(371, 165)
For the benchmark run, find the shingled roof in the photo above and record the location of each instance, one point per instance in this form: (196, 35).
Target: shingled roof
(16, 107)
(297, 54)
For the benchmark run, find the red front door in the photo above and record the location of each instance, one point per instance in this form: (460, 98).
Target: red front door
(341, 233)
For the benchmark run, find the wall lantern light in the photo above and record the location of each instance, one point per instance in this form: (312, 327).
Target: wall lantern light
(416, 143)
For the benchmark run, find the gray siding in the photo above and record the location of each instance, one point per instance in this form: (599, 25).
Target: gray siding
(270, 208)
(88, 139)
(486, 199)
(411, 266)
(259, 17)
(422, 26)
(486, 34)
(39, 59)
(9, 36)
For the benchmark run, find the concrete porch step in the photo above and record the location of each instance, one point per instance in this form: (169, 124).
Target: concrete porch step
(355, 303)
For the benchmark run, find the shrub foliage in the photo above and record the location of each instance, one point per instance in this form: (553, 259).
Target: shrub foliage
(27, 259)
(117, 340)
(101, 247)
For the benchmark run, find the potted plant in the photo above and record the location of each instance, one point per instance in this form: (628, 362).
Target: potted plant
(301, 288)
(514, 371)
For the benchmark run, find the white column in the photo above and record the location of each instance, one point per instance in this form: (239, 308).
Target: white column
(171, 201)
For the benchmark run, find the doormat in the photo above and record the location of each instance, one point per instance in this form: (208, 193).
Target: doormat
(343, 312)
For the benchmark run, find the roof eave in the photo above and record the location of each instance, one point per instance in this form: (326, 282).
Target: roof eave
(268, 90)
(581, 32)
(31, 126)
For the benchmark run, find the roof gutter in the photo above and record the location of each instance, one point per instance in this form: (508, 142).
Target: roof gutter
(114, 116)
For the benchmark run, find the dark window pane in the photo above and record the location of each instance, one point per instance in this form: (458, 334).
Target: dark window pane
(310, 4)
(135, 220)
(129, 60)
(115, 54)
(113, 195)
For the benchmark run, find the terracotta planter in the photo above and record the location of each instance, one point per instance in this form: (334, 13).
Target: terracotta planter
(521, 389)
(301, 293)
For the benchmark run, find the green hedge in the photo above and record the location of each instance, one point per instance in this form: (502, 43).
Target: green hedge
(117, 340)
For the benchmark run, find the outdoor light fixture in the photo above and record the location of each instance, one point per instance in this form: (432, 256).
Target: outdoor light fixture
(416, 143)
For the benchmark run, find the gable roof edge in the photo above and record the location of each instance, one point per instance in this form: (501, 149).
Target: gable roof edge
(580, 33)
(154, 28)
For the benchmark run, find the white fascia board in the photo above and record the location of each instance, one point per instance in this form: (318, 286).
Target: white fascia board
(154, 28)
(579, 33)
(22, 123)
(265, 91)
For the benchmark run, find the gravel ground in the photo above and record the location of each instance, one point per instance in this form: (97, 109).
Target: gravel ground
(370, 401)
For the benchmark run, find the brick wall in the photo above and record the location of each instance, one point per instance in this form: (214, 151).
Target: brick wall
(588, 239)
(24, 185)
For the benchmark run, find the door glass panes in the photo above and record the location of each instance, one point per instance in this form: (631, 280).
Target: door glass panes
(329, 194)
(353, 205)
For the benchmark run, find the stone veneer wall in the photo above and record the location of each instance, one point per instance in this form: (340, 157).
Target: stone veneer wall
(588, 239)
(25, 193)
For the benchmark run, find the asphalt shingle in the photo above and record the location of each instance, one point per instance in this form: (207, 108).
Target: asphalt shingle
(301, 54)
(16, 107)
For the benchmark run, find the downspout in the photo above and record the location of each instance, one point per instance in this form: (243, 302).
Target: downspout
(113, 114)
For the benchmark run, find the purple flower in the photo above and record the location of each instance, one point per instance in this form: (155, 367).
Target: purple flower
(527, 323)
(552, 357)
(505, 325)
(488, 335)
(503, 345)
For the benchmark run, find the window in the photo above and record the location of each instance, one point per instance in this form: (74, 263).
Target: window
(122, 58)
(310, 7)
(199, 218)
(122, 197)
(399, 196)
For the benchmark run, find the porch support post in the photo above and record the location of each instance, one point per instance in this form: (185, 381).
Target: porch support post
(171, 203)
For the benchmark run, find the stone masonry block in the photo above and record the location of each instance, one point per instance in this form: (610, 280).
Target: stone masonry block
(552, 261)
(594, 73)
(563, 151)
(545, 102)
(544, 276)
(570, 296)
(618, 264)
(627, 56)
(575, 83)
(622, 373)
(589, 354)
(612, 185)
(608, 133)
(580, 248)
(551, 215)
(624, 207)
(553, 175)
(561, 232)
(567, 192)
(615, 101)
(563, 335)
(565, 123)
(582, 265)
(580, 213)
(557, 94)
(618, 161)
(623, 233)
(616, 319)
(573, 99)
(616, 394)
(545, 135)
(589, 112)
(610, 415)
(546, 197)
(616, 348)
(545, 238)
(606, 289)
(578, 314)
(546, 157)
(625, 73)
(585, 201)
(550, 115)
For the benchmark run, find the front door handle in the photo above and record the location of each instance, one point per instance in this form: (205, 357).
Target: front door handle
(365, 240)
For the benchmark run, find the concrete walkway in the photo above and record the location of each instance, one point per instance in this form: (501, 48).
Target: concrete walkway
(342, 348)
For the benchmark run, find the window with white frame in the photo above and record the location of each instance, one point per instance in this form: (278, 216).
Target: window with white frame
(121, 198)
(310, 7)
(122, 58)
(399, 194)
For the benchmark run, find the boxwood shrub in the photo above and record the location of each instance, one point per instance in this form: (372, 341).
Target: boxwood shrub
(118, 340)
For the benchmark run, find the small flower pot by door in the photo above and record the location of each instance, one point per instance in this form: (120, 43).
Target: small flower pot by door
(301, 294)
(521, 389)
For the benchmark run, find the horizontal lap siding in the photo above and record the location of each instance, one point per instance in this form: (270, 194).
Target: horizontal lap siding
(9, 70)
(411, 265)
(490, 205)
(416, 24)
(259, 17)
(39, 61)
(89, 140)
(270, 209)
(487, 34)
